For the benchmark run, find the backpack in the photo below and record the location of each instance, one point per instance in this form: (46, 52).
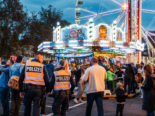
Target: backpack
(14, 82)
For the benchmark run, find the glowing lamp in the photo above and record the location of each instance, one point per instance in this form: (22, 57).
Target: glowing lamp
(58, 23)
(124, 6)
(91, 20)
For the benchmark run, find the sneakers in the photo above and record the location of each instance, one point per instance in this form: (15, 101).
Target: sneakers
(75, 101)
(81, 100)
(42, 115)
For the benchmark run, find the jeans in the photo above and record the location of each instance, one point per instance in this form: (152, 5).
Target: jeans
(61, 101)
(80, 90)
(98, 98)
(15, 103)
(119, 109)
(150, 113)
(110, 85)
(4, 99)
(32, 95)
(128, 83)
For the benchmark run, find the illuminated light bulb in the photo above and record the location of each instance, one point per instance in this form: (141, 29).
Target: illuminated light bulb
(114, 22)
(124, 6)
(58, 23)
(91, 20)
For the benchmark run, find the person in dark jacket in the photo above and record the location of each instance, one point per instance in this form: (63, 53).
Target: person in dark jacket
(128, 79)
(50, 70)
(4, 89)
(149, 91)
(35, 79)
(50, 73)
(120, 97)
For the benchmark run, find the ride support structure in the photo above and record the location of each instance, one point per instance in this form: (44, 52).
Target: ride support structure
(134, 26)
(139, 28)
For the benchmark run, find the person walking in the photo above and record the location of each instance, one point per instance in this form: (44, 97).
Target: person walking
(80, 86)
(149, 91)
(61, 89)
(4, 89)
(94, 77)
(15, 72)
(34, 77)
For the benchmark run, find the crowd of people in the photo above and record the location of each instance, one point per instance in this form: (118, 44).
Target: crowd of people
(33, 81)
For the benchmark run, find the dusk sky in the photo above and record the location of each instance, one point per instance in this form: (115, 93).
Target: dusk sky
(68, 8)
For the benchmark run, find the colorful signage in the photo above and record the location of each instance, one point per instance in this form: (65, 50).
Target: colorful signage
(102, 32)
(74, 32)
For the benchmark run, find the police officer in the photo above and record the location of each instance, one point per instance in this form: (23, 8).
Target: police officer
(61, 90)
(35, 80)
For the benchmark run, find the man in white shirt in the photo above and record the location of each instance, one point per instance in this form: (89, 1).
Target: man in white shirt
(94, 77)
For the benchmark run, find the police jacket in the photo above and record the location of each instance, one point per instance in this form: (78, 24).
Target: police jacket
(34, 73)
(62, 80)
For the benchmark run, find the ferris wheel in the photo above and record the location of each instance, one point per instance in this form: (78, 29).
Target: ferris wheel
(126, 7)
(95, 15)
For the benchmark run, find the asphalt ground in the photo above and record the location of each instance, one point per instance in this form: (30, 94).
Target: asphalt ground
(132, 108)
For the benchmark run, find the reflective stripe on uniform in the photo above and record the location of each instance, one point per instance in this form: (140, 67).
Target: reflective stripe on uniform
(61, 80)
(33, 80)
(62, 83)
(33, 77)
(34, 83)
(58, 89)
(61, 86)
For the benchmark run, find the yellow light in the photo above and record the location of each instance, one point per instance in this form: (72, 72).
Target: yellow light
(124, 6)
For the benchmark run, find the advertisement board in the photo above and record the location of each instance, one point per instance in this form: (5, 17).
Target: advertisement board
(74, 32)
(102, 32)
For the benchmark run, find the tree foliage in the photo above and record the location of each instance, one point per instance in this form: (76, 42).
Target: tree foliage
(11, 26)
(21, 32)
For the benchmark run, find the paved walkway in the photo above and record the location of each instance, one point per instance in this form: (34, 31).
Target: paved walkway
(132, 108)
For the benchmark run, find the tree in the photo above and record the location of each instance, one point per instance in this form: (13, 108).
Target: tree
(20, 33)
(41, 29)
(12, 20)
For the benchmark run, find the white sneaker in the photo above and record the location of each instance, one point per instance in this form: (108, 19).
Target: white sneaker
(141, 96)
(81, 100)
(42, 115)
(75, 101)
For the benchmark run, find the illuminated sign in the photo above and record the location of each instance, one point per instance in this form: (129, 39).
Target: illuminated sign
(74, 32)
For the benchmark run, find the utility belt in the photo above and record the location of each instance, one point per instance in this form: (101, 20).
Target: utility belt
(31, 86)
(120, 102)
(59, 92)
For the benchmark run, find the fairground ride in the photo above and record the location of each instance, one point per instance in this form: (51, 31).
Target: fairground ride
(130, 19)
(123, 36)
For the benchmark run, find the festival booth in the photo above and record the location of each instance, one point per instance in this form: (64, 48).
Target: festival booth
(80, 41)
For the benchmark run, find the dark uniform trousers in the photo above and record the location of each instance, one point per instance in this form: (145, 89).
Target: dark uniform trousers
(61, 101)
(32, 94)
(43, 101)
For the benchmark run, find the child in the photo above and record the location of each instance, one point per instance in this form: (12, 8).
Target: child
(110, 79)
(120, 97)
